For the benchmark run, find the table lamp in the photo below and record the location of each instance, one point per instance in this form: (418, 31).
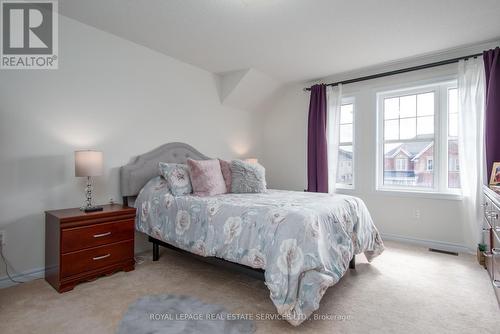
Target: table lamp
(88, 163)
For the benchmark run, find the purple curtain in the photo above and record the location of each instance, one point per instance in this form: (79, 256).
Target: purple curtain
(317, 161)
(492, 127)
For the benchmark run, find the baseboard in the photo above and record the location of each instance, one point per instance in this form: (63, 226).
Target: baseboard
(26, 276)
(34, 274)
(446, 246)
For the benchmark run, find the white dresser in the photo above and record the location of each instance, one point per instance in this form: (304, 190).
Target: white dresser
(491, 238)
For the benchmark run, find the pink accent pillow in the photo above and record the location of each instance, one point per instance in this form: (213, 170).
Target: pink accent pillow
(225, 167)
(206, 177)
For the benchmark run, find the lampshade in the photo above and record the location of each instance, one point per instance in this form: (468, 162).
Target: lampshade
(252, 160)
(88, 163)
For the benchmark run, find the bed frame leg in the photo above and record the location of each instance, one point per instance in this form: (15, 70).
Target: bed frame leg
(352, 263)
(156, 249)
(156, 252)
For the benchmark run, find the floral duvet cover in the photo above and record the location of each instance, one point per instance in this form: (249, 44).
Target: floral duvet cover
(303, 241)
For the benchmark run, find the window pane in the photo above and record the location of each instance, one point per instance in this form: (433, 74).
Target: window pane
(345, 165)
(408, 128)
(425, 126)
(406, 164)
(408, 106)
(425, 104)
(346, 133)
(453, 125)
(346, 113)
(452, 101)
(391, 130)
(453, 164)
(391, 108)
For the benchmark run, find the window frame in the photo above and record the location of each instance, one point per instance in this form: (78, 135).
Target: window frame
(447, 138)
(344, 101)
(440, 162)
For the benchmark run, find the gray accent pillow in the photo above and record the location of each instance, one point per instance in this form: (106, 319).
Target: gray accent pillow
(177, 176)
(247, 177)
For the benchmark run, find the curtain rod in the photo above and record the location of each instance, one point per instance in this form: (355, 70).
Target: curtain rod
(403, 70)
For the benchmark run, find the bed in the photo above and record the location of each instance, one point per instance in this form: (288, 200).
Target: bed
(301, 242)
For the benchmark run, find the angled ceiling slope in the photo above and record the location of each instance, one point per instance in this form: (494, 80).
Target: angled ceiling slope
(246, 89)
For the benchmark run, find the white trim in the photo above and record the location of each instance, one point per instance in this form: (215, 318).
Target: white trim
(441, 245)
(25, 276)
(344, 186)
(402, 192)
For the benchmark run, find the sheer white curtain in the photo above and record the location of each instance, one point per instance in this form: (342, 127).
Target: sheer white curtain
(334, 103)
(471, 97)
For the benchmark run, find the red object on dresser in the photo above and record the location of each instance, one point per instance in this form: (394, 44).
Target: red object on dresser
(82, 246)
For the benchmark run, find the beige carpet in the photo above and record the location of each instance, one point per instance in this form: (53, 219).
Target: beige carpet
(406, 290)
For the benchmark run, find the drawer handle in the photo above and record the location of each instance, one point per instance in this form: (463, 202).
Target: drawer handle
(101, 257)
(102, 235)
(496, 283)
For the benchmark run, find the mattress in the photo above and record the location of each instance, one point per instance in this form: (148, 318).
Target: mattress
(303, 241)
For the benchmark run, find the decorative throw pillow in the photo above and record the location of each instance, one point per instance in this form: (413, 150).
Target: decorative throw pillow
(206, 177)
(247, 177)
(177, 176)
(225, 167)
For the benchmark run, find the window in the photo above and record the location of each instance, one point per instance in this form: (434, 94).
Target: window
(418, 139)
(345, 166)
(401, 164)
(429, 164)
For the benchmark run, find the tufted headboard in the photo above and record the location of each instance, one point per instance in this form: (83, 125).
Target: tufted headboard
(135, 174)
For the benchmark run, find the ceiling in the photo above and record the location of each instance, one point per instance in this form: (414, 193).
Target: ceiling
(292, 40)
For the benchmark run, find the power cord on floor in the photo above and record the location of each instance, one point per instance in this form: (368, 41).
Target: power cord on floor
(7, 268)
(7, 265)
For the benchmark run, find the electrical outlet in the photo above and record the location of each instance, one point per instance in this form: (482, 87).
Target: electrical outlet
(2, 238)
(416, 213)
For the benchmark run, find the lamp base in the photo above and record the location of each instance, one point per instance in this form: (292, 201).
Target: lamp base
(92, 208)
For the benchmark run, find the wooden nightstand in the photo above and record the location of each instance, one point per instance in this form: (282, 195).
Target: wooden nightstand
(81, 246)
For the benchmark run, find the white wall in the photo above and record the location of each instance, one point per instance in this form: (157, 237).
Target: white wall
(108, 94)
(285, 153)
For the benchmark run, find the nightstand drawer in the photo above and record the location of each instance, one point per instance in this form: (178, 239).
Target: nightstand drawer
(95, 258)
(78, 238)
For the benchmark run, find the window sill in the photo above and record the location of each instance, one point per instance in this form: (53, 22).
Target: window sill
(420, 194)
(344, 187)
